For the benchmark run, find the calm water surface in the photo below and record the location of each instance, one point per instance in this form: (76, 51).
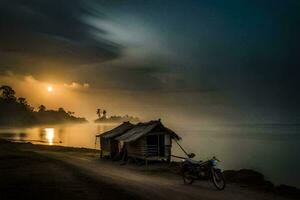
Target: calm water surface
(271, 149)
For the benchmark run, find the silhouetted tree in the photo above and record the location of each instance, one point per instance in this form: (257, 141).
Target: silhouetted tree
(42, 108)
(104, 113)
(99, 113)
(7, 93)
(17, 111)
(22, 101)
(61, 110)
(70, 113)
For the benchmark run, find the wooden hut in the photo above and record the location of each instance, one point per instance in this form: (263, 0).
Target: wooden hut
(108, 144)
(148, 141)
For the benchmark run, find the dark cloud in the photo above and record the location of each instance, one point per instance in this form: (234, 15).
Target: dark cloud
(36, 31)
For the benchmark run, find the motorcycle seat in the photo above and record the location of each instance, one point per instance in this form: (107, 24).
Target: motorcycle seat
(194, 161)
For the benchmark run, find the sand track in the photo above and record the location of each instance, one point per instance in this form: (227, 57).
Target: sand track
(147, 185)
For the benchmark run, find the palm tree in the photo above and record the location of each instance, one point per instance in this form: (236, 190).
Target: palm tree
(104, 113)
(99, 113)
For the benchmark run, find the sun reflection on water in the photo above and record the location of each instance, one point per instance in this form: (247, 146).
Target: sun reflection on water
(49, 135)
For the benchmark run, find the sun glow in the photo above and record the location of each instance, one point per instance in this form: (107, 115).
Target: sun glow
(50, 88)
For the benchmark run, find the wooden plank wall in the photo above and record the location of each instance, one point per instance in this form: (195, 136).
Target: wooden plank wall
(137, 148)
(140, 148)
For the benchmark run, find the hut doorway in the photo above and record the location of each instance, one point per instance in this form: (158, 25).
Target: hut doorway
(161, 143)
(156, 145)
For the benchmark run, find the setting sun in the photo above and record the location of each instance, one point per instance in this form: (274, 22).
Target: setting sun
(50, 88)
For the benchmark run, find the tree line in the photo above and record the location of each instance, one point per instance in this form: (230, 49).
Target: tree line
(16, 111)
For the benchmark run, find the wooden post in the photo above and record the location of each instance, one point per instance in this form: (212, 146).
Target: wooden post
(169, 157)
(146, 156)
(158, 147)
(170, 150)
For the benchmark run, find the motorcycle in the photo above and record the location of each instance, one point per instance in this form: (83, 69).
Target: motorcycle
(197, 170)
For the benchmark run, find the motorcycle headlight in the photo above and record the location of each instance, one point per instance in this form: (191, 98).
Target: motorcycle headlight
(214, 162)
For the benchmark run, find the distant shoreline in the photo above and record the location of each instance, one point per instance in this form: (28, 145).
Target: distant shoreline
(110, 120)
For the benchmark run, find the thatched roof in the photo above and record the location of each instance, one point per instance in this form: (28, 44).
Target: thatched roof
(142, 129)
(119, 130)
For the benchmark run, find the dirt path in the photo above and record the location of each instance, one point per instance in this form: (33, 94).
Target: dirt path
(29, 175)
(151, 185)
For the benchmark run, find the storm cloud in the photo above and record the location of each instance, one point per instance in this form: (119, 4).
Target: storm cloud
(211, 58)
(35, 31)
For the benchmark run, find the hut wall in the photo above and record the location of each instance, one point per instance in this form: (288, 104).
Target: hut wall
(147, 148)
(137, 148)
(104, 144)
(114, 147)
(109, 146)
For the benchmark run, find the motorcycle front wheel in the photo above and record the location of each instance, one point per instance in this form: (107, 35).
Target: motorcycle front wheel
(218, 179)
(187, 176)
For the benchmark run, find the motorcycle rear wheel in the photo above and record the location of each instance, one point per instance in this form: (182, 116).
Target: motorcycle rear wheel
(218, 179)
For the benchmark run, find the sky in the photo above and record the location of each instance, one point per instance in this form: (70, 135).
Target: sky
(211, 61)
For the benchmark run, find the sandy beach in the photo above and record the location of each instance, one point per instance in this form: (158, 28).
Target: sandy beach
(52, 172)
